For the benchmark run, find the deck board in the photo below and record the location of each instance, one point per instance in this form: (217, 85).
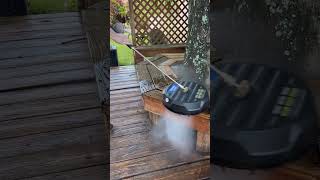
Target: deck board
(44, 59)
(30, 35)
(51, 125)
(41, 50)
(57, 160)
(94, 172)
(134, 154)
(57, 77)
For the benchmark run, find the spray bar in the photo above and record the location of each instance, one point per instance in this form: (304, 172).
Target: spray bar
(181, 86)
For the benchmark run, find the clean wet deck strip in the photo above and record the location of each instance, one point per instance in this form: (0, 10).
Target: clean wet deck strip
(133, 152)
(51, 126)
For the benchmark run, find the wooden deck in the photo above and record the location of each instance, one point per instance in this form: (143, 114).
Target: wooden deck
(51, 126)
(133, 153)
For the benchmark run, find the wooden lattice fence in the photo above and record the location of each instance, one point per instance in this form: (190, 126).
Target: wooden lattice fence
(155, 22)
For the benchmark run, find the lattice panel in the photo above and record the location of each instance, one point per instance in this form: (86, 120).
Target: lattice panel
(159, 21)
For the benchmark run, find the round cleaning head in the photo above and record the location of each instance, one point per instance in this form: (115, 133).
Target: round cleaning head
(275, 123)
(190, 100)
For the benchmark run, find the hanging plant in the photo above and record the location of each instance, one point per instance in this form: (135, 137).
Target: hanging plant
(118, 11)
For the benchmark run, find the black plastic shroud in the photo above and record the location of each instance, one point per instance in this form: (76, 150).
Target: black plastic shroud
(194, 101)
(275, 123)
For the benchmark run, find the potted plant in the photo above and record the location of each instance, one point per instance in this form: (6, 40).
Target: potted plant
(118, 15)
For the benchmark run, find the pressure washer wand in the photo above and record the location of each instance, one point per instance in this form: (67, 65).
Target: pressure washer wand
(226, 77)
(185, 89)
(242, 89)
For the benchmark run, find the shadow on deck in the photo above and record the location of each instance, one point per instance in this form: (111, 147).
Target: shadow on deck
(133, 152)
(51, 125)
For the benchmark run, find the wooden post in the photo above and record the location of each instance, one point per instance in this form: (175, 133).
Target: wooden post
(132, 23)
(81, 4)
(203, 142)
(84, 4)
(154, 118)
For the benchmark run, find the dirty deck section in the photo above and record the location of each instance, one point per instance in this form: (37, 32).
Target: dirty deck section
(51, 125)
(133, 152)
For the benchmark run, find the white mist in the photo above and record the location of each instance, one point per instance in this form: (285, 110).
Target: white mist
(177, 132)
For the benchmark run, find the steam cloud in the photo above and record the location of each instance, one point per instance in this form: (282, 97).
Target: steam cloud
(177, 133)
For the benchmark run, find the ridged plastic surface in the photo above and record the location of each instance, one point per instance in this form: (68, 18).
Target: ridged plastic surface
(271, 90)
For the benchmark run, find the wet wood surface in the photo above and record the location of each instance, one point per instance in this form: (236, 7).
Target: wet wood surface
(51, 126)
(134, 153)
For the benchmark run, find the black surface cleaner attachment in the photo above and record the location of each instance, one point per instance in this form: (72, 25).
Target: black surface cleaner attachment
(192, 99)
(187, 98)
(274, 123)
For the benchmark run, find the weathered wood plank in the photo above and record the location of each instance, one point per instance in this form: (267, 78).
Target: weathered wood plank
(130, 68)
(136, 118)
(115, 97)
(75, 25)
(46, 79)
(43, 69)
(123, 72)
(53, 122)
(126, 112)
(203, 142)
(129, 129)
(228, 173)
(29, 52)
(99, 172)
(151, 163)
(30, 35)
(48, 106)
(122, 67)
(307, 166)
(22, 24)
(290, 174)
(36, 43)
(49, 110)
(124, 91)
(138, 150)
(123, 86)
(53, 161)
(123, 75)
(126, 141)
(151, 51)
(197, 170)
(128, 106)
(40, 16)
(45, 141)
(115, 75)
(103, 83)
(124, 80)
(116, 72)
(125, 100)
(96, 22)
(50, 92)
(45, 59)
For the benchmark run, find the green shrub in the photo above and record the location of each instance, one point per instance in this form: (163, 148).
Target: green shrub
(51, 6)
